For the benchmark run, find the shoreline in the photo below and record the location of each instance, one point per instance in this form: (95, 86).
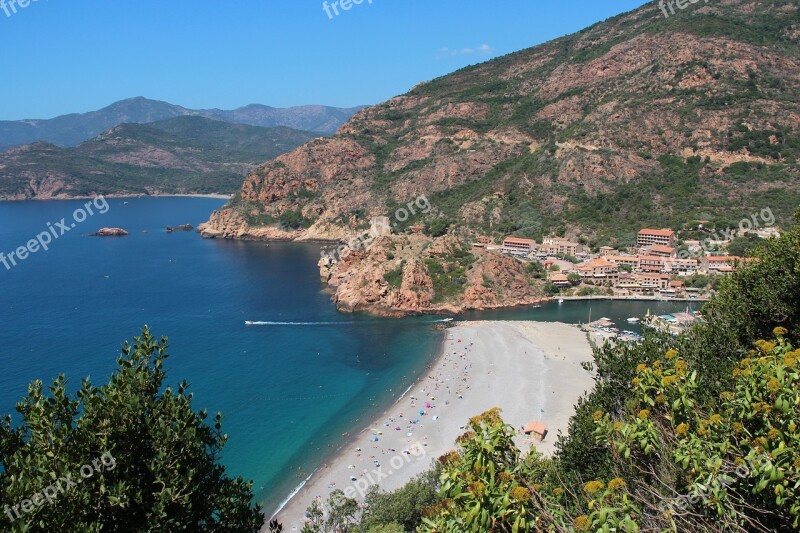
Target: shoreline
(531, 370)
(352, 439)
(218, 196)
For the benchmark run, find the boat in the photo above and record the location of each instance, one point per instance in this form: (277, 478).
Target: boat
(248, 323)
(447, 320)
(561, 300)
(633, 320)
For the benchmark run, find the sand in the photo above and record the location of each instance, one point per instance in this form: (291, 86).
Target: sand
(531, 370)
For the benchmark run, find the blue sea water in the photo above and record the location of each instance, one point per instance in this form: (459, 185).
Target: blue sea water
(287, 389)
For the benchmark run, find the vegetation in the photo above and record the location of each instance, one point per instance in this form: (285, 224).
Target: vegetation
(155, 461)
(449, 272)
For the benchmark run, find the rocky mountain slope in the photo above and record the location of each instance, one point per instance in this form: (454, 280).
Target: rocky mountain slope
(640, 120)
(180, 155)
(75, 128)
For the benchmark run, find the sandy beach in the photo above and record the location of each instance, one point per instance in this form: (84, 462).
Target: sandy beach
(531, 370)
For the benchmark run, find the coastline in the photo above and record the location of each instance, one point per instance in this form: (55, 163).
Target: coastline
(531, 370)
(218, 196)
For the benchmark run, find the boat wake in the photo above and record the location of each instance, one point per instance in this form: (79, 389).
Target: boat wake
(339, 323)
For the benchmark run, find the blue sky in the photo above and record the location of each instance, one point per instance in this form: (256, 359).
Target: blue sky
(62, 56)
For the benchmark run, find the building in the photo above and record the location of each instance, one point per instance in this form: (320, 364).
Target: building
(559, 246)
(649, 263)
(629, 260)
(647, 237)
(513, 245)
(721, 264)
(599, 271)
(652, 281)
(417, 229)
(658, 250)
(684, 266)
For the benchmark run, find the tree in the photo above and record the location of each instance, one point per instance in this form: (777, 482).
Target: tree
(574, 278)
(146, 461)
(403, 507)
(437, 227)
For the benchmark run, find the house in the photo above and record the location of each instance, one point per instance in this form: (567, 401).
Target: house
(559, 280)
(647, 237)
(417, 229)
(513, 245)
(605, 251)
(599, 270)
(678, 286)
(535, 429)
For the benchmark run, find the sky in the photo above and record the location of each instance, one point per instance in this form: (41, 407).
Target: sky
(65, 56)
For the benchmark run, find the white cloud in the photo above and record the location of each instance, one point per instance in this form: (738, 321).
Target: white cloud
(483, 50)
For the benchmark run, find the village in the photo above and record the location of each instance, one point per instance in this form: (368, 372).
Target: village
(658, 267)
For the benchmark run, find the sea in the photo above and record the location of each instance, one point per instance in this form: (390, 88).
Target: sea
(289, 387)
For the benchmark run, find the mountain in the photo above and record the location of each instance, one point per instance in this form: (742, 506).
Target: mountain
(73, 129)
(185, 154)
(638, 121)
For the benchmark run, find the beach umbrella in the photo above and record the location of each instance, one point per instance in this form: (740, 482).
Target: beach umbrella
(421, 412)
(427, 405)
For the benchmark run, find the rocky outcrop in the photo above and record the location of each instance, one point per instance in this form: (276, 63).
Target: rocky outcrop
(182, 227)
(109, 232)
(393, 277)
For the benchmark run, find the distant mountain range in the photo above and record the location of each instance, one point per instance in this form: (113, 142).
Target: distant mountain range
(185, 154)
(73, 129)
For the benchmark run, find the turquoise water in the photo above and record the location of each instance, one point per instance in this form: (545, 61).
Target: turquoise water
(287, 390)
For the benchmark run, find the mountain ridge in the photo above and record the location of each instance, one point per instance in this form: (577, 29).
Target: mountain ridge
(185, 154)
(72, 129)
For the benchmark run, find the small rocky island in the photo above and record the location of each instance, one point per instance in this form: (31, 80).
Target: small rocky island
(182, 227)
(109, 232)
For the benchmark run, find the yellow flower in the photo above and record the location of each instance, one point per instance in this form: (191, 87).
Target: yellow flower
(504, 477)
(617, 426)
(616, 485)
(773, 434)
(644, 414)
(726, 396)
(792, 427)
(671, 354)
(773, 386)
(593, 487)
(558, 492)
(521, 493)
(681, 366)
(780, 331)
(767, 347)
(597, 415)
(477, 488)
(668, 380)
(636, 382)
(738, 427)
(796, 463)
(641, 367)
(656, 364)
(715, 419)
(660, 398)
(582, 523)
(682, 429)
